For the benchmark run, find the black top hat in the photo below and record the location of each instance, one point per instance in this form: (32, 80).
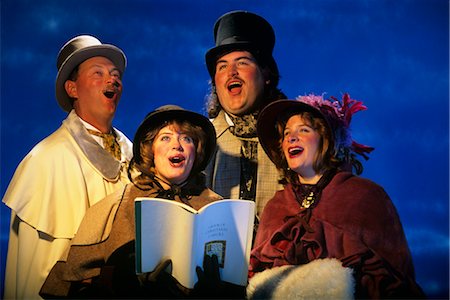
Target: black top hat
(73, 53)
(242, 30)
(174, 112)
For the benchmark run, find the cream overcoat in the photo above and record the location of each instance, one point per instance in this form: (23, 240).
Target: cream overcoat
(54, 185)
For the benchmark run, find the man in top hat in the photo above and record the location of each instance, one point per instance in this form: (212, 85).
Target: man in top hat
(70, 170)
(244, 79)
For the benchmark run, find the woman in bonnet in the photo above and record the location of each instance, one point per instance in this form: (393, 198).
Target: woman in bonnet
(171, 148)
(329, 233)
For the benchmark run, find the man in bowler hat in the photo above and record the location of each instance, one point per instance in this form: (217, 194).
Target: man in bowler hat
(244, 79)
(77, 165)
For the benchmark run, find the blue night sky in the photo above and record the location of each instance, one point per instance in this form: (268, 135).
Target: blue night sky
(393, 55)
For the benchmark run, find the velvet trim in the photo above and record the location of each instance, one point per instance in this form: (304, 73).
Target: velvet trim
(354, 221)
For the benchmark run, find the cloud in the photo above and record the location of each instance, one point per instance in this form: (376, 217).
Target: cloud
(424, 241)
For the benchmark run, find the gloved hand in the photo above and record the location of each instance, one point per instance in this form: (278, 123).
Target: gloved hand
(157, 273)
(160, 283)
(209, 284)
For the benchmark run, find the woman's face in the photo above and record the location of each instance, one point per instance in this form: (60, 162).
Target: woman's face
(174, 154)
(300, 145)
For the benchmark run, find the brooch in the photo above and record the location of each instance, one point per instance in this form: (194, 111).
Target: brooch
(309, 200)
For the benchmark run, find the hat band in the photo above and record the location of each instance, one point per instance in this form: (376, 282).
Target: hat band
(232, 40)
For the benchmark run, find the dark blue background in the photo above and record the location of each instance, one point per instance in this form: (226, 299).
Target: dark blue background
(393, 55)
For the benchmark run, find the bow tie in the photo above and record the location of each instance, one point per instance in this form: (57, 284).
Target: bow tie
(172, 192)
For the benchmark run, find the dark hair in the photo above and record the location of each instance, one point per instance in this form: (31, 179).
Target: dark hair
(74, 74)
(145, 162)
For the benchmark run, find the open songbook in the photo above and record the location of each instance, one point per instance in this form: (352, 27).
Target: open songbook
(166, 229)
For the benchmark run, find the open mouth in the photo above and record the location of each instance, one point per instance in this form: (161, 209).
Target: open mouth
(234, 85)
(177, 159)
(109, 94)
(295, 150)
(110, 90)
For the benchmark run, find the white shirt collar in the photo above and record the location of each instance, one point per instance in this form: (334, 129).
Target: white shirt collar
(228, 119)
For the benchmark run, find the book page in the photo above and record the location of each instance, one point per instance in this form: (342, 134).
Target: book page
(166, 229)
(166, 232)
(225, 228)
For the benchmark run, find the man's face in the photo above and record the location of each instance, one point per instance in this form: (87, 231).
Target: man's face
(239, 82)
(97, 90)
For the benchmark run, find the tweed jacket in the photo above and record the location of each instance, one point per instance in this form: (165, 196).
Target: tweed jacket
(52, 188)
(223, 171)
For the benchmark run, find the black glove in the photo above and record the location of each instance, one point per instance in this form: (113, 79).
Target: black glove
(156, 274)
(160, 283)
(209, 284)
